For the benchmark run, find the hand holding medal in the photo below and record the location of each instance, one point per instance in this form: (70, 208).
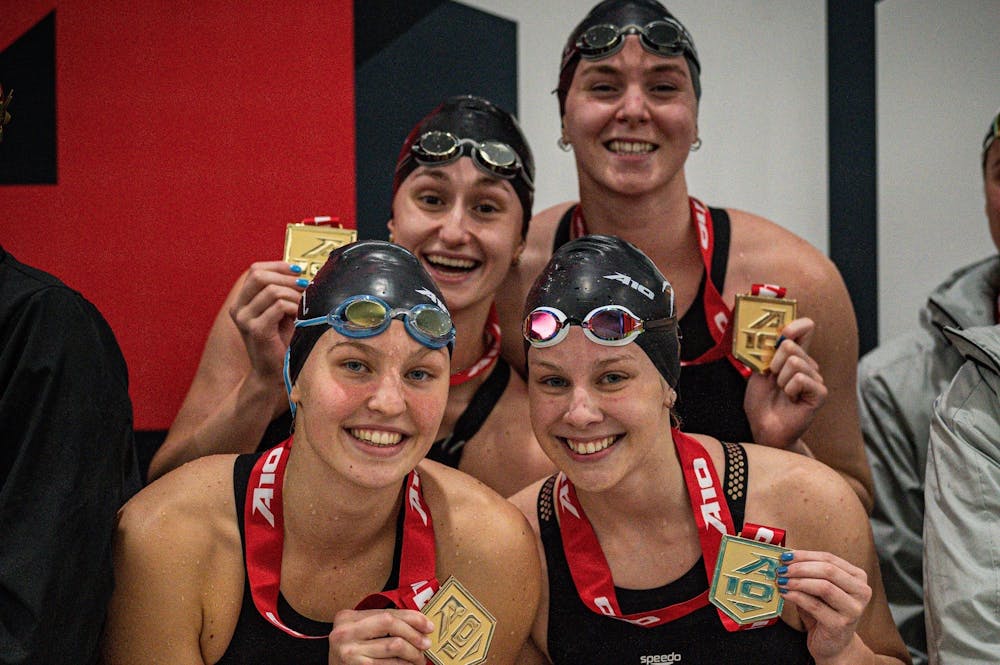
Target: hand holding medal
(787, 388)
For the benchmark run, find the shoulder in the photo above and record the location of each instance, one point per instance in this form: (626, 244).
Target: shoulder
(541, 234)
(184, 511)
(761, 248)
(804, 496)
(461, 504)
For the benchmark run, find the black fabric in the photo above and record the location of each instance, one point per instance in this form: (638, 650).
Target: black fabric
(277, 431)
(67, 463)
(710, 395)
(255, 640)
(449, 449)
(580, 636)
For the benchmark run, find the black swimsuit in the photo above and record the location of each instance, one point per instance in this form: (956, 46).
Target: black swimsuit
(709, 395)
(580, 636)
(255, 639)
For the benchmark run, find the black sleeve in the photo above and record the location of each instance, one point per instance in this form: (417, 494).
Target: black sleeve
(67, 463)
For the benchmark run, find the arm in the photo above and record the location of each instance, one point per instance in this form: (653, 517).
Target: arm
(762, 251)
(238, 388)
(962, 520)
(67, 466)
(489, 547)
(832, 579)
(156, 612)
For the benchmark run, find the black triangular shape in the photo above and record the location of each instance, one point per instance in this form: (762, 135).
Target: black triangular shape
(28, 67)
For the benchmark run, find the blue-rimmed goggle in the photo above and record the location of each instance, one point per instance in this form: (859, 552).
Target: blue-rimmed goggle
(367, 316)
(610, 325)
(663, 37)
(436, 148)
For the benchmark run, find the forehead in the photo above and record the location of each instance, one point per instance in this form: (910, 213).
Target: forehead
(461, 173)
(634, 57)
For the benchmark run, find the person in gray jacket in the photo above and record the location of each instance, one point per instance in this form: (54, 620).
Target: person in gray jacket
(897, 384)
(962, 496)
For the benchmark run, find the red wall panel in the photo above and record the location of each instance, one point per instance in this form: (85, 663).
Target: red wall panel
(189, 134)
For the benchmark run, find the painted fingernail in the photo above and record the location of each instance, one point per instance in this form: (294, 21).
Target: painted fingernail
(782, 589)
(781, 338)
(786, 556)
(781, 570)
(782, 580)
(302, 281)
(295, 268)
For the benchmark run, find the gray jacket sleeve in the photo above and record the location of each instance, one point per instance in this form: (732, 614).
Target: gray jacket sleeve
(962, 517)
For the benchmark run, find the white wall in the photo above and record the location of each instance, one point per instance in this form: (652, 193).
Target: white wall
(763, 111)
(763, 122)
(938, 88)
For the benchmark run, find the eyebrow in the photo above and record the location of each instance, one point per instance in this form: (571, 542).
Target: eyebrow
(600, 364)
(660, 67)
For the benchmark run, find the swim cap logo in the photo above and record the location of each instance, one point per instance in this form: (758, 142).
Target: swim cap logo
(628, 281)
(434, 299)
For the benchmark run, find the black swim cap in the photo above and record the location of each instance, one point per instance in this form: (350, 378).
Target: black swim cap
(470, 117)
(598, 270)
(621, 13)
(367, 267)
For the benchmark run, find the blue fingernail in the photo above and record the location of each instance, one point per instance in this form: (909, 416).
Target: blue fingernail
(781, 338)
(302, 281)
(782, 570)
(786, 556)
(782, 589)
(782, 580)
(295, 268)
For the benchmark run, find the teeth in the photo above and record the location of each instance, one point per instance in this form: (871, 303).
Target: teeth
(630, 147)
(449, 262)
(377, 437)
(589, 447)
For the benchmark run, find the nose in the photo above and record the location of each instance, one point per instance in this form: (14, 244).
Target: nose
(582, 410)
(388, 397)
(453, 227)
(633, 109)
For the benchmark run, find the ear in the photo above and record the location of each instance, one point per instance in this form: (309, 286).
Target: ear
(391, 225)
(514, 260)
(669, 395)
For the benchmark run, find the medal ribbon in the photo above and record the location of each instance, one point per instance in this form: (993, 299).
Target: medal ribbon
(591, 572)
(492, 333)
(717, 314)
(265, 535)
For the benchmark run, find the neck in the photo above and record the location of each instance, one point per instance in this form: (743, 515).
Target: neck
(651, 494)
(325, 513)
(470, 343)
(658, 220)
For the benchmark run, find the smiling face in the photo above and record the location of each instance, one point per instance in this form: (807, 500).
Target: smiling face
(631, 119)
(463, 225)
(370, 407)
(601, 413)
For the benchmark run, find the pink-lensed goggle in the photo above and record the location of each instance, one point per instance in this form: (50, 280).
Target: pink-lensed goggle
(610, 325)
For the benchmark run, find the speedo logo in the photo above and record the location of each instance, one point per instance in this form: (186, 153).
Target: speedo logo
(628, 281)
(673, 657)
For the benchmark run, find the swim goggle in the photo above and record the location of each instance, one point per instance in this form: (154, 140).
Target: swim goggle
(366, 316)
(436, 148)
(663, 37)
(610, 325)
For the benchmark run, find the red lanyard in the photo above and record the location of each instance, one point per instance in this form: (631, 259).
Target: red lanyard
(264, 525)
(591, 572)
(489, 358)
(717, 314)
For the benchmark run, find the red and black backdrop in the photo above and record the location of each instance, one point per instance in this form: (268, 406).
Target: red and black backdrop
(156, 149)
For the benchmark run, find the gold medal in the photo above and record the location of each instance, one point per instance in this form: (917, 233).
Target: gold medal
(757, 324)
(463, 628)
(308, 245)
(744, 585)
